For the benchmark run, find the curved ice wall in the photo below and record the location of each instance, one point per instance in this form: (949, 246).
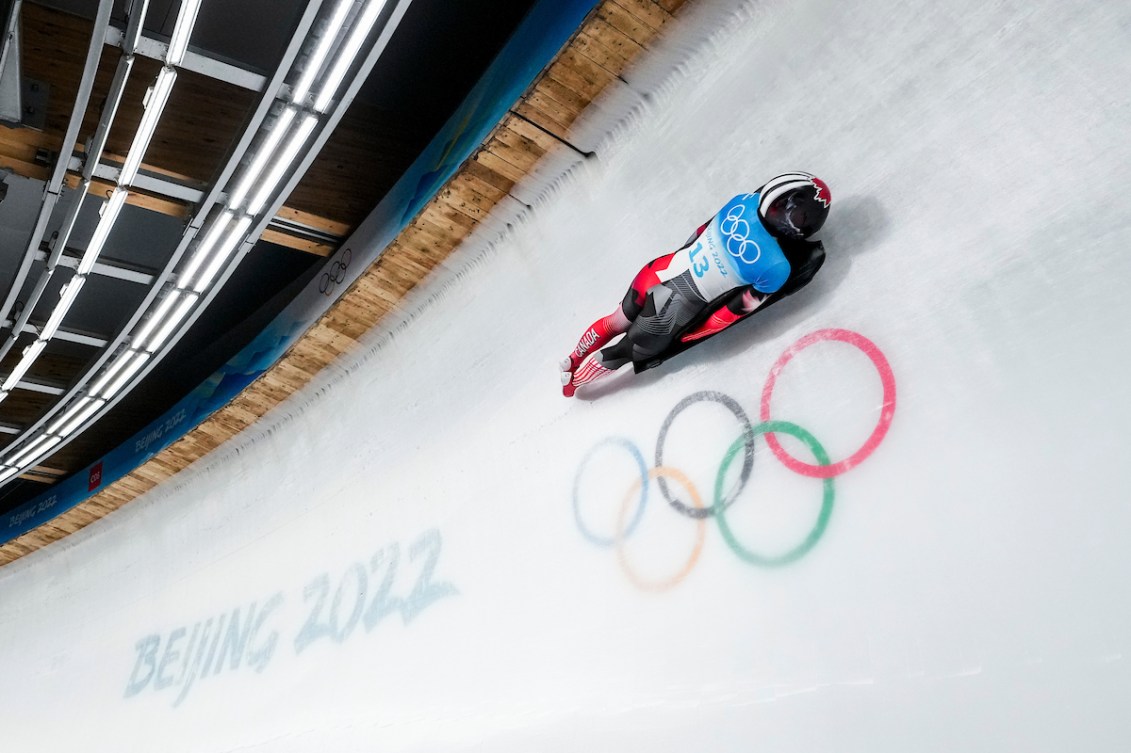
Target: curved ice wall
(421, 552)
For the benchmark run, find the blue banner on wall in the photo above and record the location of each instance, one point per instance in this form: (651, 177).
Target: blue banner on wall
(539, 37)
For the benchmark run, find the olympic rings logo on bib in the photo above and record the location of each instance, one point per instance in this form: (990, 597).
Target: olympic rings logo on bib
(825, 469)
(736, 231)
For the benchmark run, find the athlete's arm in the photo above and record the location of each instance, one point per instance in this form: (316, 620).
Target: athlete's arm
(730, 312)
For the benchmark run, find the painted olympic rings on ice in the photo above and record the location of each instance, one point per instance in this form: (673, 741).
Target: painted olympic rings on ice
(658, 473)
(887, 379)
(768, 428)
(823, 468)
(747, 458)
(641, 484)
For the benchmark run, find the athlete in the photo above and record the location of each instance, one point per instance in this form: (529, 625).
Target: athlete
(751, 254)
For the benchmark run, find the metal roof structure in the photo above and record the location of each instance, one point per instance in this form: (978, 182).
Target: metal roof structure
(284, 121)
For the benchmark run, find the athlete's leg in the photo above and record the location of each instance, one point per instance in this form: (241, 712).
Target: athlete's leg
(597, 335)
(600, 365)
(600, 332)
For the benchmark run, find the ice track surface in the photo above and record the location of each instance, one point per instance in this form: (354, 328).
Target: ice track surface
(420, 553)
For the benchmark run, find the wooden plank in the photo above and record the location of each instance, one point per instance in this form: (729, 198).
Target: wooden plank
(440, 210)
(600, 53)
(496, 163)
(519, 160)
(536, 113)
(483, 181)
(545, 98)
(309, 245)
(309, 219)
(647, 11)
(445, 232)
(547, 142)
(671, 6)
(469, 203)
(603, 30)
(32, 170)
(19, 153)
(585, 67)
(572, 100)
(574, 80)
(29, 137)
(631, 26)
(521, 144)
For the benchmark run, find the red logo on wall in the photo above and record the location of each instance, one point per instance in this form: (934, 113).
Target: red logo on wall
(95, 479)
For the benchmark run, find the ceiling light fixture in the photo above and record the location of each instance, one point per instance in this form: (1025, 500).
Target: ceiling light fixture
(318, 57)
(66, 298)
(35, 451)
(266, 152)
(284, 163)
(110, 373)
(134, 361)
(80, 416)
(31, 352)
(202, 250)
(28, 450)
(156, 319)
(155, 102)
(182, 30)
(83, 409)
(357, 37)
(110, 211)
(230, 244)
(171, 322)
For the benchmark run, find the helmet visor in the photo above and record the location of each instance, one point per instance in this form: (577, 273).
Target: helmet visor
(796, 214)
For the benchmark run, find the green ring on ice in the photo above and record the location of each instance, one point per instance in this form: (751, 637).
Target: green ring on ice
(799, 551)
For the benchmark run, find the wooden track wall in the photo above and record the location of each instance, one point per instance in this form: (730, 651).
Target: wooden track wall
(614, 34)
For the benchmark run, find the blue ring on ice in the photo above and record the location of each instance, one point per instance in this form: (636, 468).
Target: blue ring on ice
(629, 445)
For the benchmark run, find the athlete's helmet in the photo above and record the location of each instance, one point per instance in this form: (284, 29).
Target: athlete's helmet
(794, 205)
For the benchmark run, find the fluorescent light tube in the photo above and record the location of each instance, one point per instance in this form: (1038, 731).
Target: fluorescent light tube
(76, 416)
(154, 106)
(110, 211)
(182, 30)
(284, 163)
(136, 12)
(68, 414)
(31, 353)
(155, 320)
(27, 459)
(27, 450)
(358, 34)
(112, 372)
(8, 473)
(266, 152)
(230, 244)
(171, 323)
(127, 374)
(318, 57)
(214, 232)
(66, 297)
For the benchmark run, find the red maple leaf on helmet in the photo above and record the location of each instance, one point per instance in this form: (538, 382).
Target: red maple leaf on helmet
(824, 195)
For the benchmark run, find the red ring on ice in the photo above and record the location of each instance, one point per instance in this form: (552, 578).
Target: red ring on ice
(887, 379)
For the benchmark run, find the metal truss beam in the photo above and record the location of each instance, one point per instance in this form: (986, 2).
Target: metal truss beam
(194, 61)
(104, 268)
